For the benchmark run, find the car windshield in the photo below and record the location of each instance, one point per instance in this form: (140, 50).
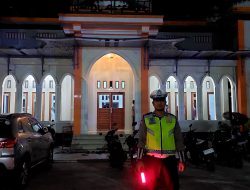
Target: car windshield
(5, 128)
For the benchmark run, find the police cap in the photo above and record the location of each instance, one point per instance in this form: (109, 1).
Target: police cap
(157, 94)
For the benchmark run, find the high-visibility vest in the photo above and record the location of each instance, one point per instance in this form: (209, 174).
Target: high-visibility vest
(160, 134)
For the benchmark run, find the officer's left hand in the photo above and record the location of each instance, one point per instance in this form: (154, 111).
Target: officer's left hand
(181, 167)
(139, 166)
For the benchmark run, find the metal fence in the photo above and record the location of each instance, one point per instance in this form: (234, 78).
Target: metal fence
(112, 6)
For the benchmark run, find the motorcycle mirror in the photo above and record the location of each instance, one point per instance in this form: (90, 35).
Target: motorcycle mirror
(190, 127)
(45, 129)
(134, 123)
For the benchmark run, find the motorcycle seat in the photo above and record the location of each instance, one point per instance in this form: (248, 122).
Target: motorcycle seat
(200, 141)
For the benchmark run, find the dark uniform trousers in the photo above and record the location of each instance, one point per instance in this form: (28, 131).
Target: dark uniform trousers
(161, 172)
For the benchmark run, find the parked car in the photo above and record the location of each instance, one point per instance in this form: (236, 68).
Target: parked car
(24, 143)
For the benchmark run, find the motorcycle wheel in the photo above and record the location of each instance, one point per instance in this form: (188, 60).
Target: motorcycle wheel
(210, 166)
(238, 163)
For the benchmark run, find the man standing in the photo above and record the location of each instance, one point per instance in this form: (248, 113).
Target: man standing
(160, 142)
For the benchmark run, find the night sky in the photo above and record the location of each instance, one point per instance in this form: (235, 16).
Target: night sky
(216, 13)
(172, 9)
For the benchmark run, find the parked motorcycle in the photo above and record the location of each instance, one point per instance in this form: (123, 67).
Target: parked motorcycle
(52, 130)
(117, 156)
(132, 142)
(198, 151)
(241, 138)
(227, 146)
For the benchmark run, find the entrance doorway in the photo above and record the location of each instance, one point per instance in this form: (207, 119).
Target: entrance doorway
(110, 110)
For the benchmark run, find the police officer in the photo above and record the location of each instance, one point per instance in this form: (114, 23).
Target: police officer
(160, 146)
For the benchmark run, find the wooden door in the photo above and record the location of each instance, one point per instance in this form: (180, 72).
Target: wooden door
(117, 110)
(110, 110)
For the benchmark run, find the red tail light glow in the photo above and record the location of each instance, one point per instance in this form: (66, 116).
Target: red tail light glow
(143, 178)
(8, 143)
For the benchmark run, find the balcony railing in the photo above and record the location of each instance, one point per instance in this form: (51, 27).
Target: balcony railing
(112, 6)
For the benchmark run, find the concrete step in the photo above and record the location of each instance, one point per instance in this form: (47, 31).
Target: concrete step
(89, 137)
(93, 142)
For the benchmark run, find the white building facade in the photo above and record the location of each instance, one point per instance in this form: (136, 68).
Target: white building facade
(110, 67)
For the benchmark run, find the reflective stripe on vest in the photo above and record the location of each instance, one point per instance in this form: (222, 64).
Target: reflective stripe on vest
(160, 134)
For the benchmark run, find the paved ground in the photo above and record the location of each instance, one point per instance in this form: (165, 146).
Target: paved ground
(82, 171)
(194, 178)
(224, 178)
(98, 175)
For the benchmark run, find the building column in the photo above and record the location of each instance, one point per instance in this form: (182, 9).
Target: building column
(1, 99)
(77, 91)
(242, 87)
(241, 71)
(144, 82)
(58, 103)
(19, 97)
(181, 108)
(38, 102)
(84, 112)
(199, 109)
(218, 101)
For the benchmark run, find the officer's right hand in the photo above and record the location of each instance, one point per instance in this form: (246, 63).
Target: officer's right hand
(181, 167)
(139, 166)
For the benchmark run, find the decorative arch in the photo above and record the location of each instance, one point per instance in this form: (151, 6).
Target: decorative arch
(49, 74)
(3, 77)
(64, 75)
(10, 75)
(115, 52)
(204, 77)
(29, 74)
(154, 82)
(157, 77)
